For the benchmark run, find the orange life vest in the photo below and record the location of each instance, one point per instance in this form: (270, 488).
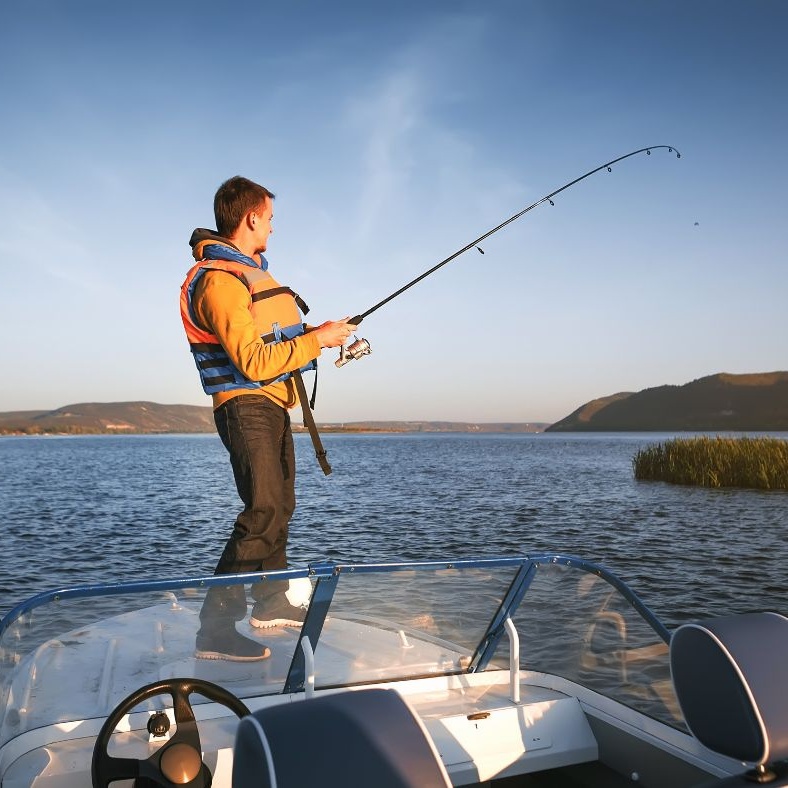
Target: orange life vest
(277, 313)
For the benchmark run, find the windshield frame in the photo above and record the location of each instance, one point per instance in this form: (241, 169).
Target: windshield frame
(513, 578)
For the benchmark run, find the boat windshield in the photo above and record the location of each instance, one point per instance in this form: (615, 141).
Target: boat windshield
(74, 654)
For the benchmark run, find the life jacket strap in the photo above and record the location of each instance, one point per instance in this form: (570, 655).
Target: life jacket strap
(275, 291)
(309, 421)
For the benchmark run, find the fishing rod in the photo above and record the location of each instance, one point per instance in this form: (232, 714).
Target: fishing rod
(361, 347)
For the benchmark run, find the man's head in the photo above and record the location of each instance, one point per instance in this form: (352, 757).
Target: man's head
(243, 211)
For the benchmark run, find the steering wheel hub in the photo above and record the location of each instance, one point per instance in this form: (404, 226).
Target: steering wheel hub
(180, 764)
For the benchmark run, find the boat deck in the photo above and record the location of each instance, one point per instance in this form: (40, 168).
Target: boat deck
(591, 693)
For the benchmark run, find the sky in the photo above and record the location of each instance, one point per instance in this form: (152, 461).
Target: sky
(393, 135)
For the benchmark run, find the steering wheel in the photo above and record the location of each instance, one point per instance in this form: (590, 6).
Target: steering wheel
(179, 761)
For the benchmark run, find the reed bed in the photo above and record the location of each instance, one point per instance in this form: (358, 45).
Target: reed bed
(757, 463)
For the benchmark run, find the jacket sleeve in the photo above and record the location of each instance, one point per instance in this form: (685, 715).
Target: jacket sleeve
(222, 305)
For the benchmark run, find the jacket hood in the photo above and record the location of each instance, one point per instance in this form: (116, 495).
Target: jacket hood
(209, 245)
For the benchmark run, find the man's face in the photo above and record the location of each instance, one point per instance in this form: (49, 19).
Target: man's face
(262, 224)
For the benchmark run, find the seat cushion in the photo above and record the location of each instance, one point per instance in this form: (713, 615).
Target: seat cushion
(357, 738)
(730, 675)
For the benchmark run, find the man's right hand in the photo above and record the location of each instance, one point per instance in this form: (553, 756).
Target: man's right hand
(334, 333)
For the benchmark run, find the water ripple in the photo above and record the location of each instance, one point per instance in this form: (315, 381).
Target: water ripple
(89, 509)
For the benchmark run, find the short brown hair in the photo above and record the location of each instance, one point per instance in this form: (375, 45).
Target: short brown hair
(234, 199)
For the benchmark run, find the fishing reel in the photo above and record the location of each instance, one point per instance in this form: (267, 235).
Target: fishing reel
(358, 349)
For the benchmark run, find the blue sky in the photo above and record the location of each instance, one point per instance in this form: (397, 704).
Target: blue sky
(392, 135)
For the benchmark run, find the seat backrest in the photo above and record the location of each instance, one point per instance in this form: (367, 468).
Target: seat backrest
(730, 675)
(355, 738)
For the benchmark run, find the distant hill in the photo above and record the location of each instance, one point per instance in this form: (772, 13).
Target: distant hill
(719, 402)
(150, 417)
(109, 417)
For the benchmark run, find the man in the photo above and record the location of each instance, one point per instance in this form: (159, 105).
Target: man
(247, 337)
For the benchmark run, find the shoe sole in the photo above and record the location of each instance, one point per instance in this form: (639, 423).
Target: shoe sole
(274, 622)
(199, 654)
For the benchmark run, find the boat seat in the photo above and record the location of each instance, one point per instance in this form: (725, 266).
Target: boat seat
(730, 676)
(354, 738)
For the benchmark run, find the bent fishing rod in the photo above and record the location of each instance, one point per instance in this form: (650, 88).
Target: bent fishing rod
(361, 347)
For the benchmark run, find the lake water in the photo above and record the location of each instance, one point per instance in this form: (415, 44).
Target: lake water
(85, 509)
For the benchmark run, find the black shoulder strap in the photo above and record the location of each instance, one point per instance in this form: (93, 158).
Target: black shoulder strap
(309, 421)
(275, 291)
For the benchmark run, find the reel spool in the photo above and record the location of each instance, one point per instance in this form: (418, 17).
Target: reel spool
(355, 351)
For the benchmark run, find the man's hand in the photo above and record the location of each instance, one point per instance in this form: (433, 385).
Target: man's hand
(334, 333)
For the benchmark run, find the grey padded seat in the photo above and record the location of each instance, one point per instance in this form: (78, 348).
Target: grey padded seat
(367, 737)
(731, 680)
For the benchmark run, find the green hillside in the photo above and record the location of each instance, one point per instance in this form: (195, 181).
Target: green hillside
(719, 402)
(109, 417)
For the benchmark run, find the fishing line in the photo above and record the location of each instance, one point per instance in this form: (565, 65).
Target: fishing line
(361, 347)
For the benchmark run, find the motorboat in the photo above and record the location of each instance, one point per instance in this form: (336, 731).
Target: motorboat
(541, 670)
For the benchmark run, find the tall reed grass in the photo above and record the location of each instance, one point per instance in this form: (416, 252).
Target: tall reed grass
(758, 463)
